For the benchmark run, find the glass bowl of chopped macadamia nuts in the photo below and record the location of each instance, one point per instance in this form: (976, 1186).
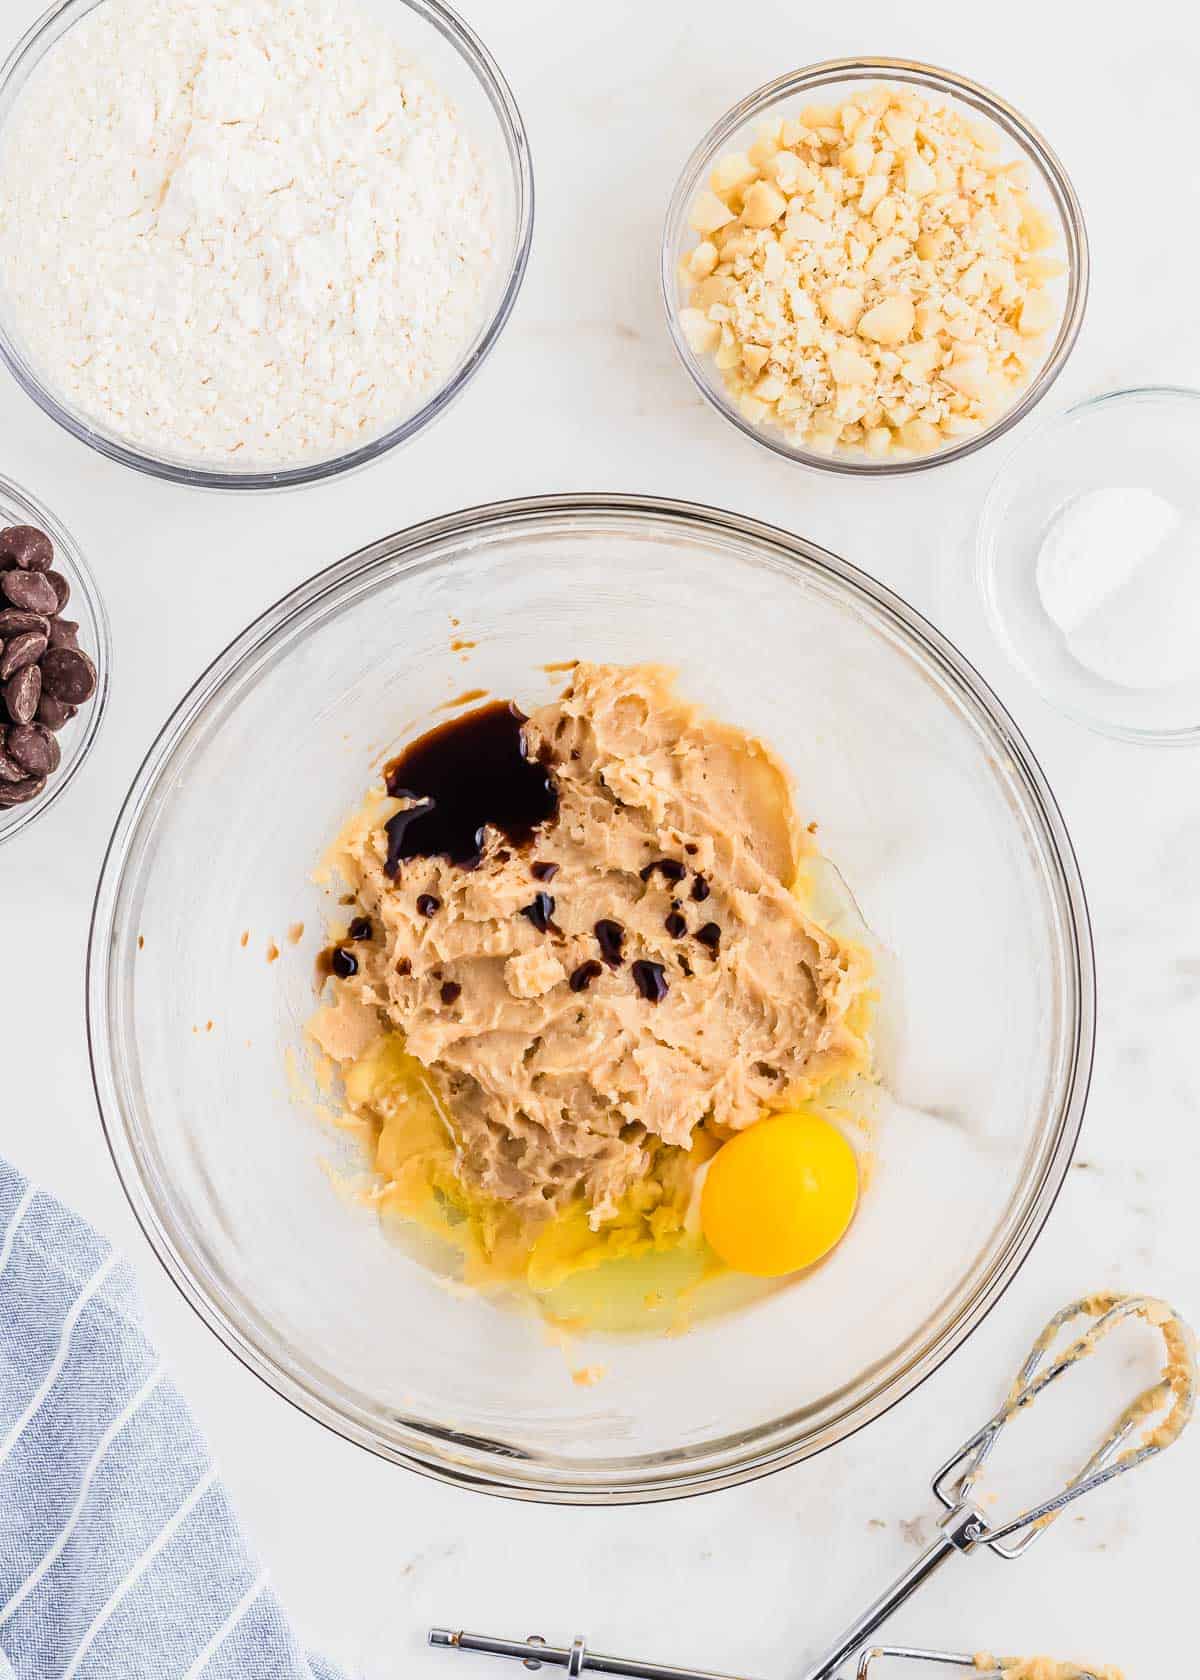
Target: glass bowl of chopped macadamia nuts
(270, 271)
(872, 266)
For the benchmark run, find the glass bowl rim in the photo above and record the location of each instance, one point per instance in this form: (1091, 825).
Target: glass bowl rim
(1011, 122)
(672, 1474)
(476, 56)
(66, 546)
(987, 556)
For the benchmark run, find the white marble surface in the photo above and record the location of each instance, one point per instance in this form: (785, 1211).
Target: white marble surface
(584, 393)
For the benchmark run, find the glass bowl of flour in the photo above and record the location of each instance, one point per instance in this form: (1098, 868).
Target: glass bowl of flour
(1088, 562)
(255, 243)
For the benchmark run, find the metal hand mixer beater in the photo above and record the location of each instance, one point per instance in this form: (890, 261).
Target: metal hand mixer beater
(1149, 1424)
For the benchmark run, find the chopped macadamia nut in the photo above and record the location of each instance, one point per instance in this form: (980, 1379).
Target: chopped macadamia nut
(890, 322)
(762, 204)
(842, 306)
(871, 276)
(732, 172)
(702, 260)
(702, 334)
(709, 213)
(1037, 314)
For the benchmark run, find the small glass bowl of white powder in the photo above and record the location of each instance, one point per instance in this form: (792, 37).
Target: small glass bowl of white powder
(249, 244)
(1088, 562)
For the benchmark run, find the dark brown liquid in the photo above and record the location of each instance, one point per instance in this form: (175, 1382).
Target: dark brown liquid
(469, 774)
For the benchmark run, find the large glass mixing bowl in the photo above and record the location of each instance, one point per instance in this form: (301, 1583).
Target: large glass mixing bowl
(929, 803)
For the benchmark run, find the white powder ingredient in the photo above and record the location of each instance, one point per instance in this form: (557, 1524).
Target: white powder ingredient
(241, 232)
(1094, 544)
(1119, 573)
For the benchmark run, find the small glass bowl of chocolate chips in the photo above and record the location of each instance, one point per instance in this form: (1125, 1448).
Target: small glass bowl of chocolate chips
(54, 659)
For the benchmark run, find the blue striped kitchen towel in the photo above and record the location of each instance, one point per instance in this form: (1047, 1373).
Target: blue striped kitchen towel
(120, 1556)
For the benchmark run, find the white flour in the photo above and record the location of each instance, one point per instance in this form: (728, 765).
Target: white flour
(240, 231)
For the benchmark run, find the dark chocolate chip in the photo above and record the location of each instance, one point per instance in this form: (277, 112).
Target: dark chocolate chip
(60, 587)
(53, 713)
(585, 974)
(543, 871)
(23, 691)
(27, 547)
(650, 979)
(343, 963)
(540, 912)
(611, 938)
(428, 905)
(360, 928)
(691, 848)
(20, 793)
(676, 925)
(670, 868)
(34, 749)
(20, 651)
(404, 966)
(451, 991)
(30, 592)
(710, 935)
(64, 632)
(10, 770)
(700, 889)
(13, 622)
(69, 675)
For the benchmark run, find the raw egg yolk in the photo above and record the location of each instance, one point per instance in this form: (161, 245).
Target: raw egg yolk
(780, 1194)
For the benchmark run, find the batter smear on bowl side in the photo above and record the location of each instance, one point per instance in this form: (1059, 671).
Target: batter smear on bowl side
(578, 962)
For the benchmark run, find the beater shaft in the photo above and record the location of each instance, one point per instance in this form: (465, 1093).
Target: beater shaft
(575, 1658)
